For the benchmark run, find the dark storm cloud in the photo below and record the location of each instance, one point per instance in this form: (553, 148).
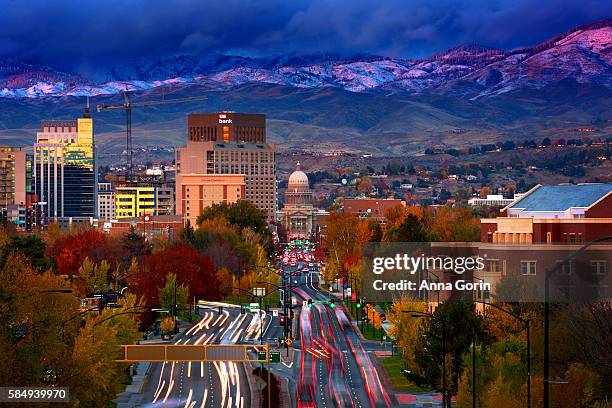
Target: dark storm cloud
(83, 34)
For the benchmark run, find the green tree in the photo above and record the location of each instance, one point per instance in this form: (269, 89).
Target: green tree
(451, 330)
(95, 276)
(410, 230)
(242, 214)
(167, 295)
(32, 247)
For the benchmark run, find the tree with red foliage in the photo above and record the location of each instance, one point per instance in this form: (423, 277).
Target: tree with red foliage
(192, 269)
(70, 251)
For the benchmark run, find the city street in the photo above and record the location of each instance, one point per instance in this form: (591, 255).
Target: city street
(194, 384)
(333, 368)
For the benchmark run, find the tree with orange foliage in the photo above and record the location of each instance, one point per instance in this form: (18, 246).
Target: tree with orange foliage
(70, 251)
(454, 225)
(192, 269)
(345, 235)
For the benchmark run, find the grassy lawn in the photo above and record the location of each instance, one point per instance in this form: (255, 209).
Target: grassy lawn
(369, 332)
(394, 367)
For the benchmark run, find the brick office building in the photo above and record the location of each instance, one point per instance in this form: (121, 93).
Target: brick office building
(565, 213)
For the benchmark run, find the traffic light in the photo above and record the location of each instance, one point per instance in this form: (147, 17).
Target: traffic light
(220, 309)
(282, 320)
(332, 303)
(358, 304)
(242, 311)
(309, 302)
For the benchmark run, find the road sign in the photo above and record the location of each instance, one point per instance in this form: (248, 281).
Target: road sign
(260, 384)
(348, 291)
(288, 341)
(252, 306)
(262, 356)
(275, 313)
(275, 357)
(259, 292)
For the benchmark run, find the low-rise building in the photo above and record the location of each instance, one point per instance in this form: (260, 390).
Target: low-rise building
(135, 201)
(374, 208)
(493, 200)
(565, 213)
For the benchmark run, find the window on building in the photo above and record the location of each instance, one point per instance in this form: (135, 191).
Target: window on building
(564, 268)
(528, 267)
(599, 267)
(494, 265)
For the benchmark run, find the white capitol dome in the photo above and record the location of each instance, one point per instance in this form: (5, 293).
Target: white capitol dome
(298, 178)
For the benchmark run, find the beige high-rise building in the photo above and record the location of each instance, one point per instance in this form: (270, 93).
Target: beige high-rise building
(12, 176)
(256, 162)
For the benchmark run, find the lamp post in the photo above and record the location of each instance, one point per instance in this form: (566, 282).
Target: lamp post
(416, 313)
(549, 273)
(437, 288)
(287, 318)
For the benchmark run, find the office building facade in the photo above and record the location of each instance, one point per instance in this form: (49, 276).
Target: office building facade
(227, 127)
(13, 176)
(199, 191)
(136, 201)
(106, 201)
(255, 161)
(64, 170)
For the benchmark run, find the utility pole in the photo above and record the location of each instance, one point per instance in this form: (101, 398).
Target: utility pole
(175, 308)
(549, 273)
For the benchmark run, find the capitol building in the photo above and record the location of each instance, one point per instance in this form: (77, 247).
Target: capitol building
(297, 213)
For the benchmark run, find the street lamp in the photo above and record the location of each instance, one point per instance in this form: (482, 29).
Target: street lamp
(418, 314)
(549, 273)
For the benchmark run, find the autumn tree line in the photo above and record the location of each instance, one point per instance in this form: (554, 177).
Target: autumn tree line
(346, 233)
(45, 340)
(453, 333)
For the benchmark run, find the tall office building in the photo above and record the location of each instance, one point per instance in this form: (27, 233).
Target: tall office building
(13, 175)
(64, 168)
(227, 127)
(241, 149)
(106, 201)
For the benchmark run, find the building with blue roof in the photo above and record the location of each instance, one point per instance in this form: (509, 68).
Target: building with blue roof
(565, 213)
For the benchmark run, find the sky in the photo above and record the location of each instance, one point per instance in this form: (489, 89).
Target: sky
(80, 35)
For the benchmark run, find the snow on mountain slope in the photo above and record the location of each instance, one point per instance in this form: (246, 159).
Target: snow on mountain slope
(582, 54)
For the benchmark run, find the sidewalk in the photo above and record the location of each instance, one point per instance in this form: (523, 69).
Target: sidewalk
(132, 396)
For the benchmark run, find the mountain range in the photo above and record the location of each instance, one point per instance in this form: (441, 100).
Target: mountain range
(367, 103)
(582, 54)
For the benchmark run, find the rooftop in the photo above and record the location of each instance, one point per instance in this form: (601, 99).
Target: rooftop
(563, 197)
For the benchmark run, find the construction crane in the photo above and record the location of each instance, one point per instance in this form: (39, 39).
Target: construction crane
(128, 106)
